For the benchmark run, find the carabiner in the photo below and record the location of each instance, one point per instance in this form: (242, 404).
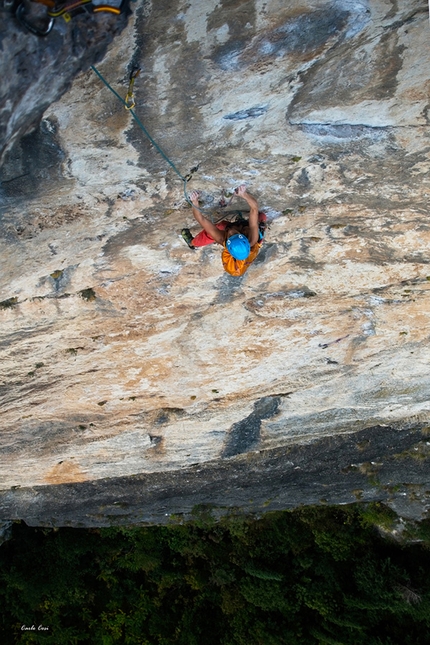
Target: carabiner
(19, 15)
(129, 99)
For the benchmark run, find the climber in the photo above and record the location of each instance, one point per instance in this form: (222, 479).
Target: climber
(241, 239)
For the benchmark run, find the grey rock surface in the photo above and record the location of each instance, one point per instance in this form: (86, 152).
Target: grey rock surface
(377, 464)
(36, 71)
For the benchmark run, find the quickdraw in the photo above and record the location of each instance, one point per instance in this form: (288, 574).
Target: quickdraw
(129, 99)
(191, 173)
(66, 10)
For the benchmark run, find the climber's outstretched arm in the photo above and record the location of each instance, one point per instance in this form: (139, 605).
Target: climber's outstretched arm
(211, 229)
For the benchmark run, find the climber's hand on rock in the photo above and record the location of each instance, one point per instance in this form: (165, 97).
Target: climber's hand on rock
(240, 190)
(194, 197)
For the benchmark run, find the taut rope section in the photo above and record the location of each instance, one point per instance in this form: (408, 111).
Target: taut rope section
(146, 133)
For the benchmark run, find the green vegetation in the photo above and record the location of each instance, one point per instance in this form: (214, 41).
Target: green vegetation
(88, 294)
(10, 302)
(316, 575)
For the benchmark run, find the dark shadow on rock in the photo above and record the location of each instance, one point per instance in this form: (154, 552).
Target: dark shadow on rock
(245, 434)
(250, 113)
(228, 288)
(42, 69)
(33, 164)
(334, 469)
(302, 33)
(268, 250)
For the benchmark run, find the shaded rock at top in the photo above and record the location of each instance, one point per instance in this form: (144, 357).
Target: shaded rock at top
(36, 71)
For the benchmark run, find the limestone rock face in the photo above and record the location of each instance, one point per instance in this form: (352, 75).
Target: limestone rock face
(35, 71)
(138, 379)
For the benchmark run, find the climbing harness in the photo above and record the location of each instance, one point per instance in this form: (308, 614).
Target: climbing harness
(66, 10)
(129, 99)
(107, 8)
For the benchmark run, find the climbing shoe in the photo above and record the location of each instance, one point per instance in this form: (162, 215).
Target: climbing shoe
(186, 235)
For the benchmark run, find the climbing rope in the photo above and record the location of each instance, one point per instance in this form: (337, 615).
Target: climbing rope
(146, 133)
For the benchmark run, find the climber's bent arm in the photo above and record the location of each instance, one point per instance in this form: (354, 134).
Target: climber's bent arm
(210, 228)
(254, 233)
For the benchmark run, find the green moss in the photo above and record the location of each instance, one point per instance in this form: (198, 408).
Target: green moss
(418, 531)
(202, 516)
(88, 294)
(56, 275)
(73, 350)
(295, 159)
(418, 452)
(362, 445)
(10, 302)
(377, 514)
(392, 488)
(175, 519)
(371, 471)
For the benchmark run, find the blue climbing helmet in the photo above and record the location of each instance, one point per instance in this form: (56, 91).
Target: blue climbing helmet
(238, 246)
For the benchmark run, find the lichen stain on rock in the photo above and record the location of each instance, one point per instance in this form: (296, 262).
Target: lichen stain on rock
(301, 36)
(350, 77)
(65, 471)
